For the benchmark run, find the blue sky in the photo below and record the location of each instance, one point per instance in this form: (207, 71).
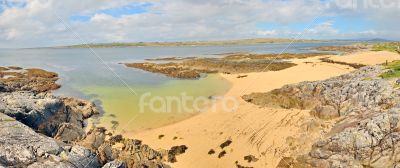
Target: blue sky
(129, 9)
(33, 22)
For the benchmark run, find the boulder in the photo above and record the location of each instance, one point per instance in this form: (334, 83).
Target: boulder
(29, 108)
(105, 153)
(82, 157)
(21, 146)
(115, 164)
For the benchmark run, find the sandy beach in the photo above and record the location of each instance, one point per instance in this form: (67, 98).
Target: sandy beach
(368, 58)
(266, 133)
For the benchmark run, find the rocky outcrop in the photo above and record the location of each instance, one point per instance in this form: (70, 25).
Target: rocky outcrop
(34, 80)
(135, 154)
(232, 63)
(169, 69)
(351, 93)
(62, 118)
(347, 49)
(367, 111)
(38, 129)
(353, 65)
(29, 108)
(82, 157)
(20, 146)
(115, 164)
(373, 142)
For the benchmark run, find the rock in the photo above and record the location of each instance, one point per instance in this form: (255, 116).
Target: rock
(326, 112)
(334, 97)
(94, 138)
(3, 88)
(250, 158)
(68, 132)
(33, 80)
(86, 108)
(82, 157)
(53, 116)
(29, 108)
(115, 164)
(115, 139)
(225, 144)
(105, 153)
(51, 164)
(285, 162)
(211, 151)
(371, 142)
(368, 132)
(21, 146)
(221, 154)
(174, 151)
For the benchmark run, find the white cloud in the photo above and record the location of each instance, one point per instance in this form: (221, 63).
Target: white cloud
(267, 33)
(37, 23)
(324, 29)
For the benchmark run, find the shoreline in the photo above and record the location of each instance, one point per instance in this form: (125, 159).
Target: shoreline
(206, 131)
(170, 131)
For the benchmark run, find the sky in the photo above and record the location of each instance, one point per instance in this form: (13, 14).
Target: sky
(35, 23)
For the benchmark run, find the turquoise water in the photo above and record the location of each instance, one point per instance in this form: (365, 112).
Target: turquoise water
(87, 75)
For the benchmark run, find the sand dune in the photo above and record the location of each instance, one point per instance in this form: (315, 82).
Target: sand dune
(268, 134)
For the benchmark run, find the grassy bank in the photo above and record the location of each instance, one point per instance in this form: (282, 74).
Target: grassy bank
(392, 47)
(393, 70)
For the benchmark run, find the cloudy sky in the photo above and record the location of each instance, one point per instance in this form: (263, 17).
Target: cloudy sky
(31, 23)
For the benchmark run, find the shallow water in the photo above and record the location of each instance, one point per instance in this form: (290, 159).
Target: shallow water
(99, 77)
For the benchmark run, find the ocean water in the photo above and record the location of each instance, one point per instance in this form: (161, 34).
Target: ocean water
(99, 76)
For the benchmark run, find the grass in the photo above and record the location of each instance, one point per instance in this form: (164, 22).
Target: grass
(393, 70)
(392, 47)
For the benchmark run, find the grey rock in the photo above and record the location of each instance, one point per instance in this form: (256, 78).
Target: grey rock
(29, 108)
(115, 164)
(334, 97)
(82, 157)
(68, 132)
(368, 132)
(105, 153)
(21, 146)
(372, 142)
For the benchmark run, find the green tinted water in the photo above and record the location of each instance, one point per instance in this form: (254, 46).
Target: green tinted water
(155, 106)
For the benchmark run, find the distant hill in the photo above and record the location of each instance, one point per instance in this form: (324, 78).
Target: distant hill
(367, 40)
(193, 43)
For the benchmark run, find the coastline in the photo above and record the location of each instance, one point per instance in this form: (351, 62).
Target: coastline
(196, 131)
(254, 41)
(271, 129)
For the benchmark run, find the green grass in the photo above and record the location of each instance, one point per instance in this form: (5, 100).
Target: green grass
(393, 70)
(392, 47)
